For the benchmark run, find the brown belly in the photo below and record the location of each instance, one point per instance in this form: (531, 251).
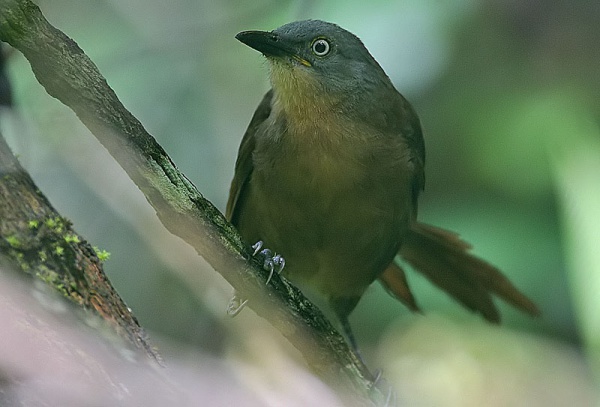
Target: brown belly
(337, 235)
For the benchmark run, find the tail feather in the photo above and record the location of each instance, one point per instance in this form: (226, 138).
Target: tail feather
(443, 258)
(394, 281)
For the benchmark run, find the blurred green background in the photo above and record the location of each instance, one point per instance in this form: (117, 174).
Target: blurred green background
(508, 93)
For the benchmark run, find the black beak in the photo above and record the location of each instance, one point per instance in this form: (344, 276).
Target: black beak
(269, 44)
(265, 42)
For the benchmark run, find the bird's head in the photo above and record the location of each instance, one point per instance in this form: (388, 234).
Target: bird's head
(318, 63)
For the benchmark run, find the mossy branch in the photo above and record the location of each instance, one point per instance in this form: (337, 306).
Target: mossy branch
(70, 76)
(37, 240)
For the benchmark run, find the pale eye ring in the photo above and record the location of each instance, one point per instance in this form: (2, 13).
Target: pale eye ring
(321, 47)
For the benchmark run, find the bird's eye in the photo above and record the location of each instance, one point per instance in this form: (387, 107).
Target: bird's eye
(321, 47)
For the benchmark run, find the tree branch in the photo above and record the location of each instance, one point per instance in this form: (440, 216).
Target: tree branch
(68, 75)
(37, 240)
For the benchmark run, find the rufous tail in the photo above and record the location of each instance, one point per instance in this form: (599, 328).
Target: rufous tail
(444, 259)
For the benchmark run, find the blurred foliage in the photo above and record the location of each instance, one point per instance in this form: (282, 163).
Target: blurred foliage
(504, 90)
(480, 365)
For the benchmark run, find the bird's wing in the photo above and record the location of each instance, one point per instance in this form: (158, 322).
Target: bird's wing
(414, 138)
(243, 164)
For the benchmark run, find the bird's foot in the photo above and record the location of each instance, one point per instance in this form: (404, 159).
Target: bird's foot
(236, 305)
(385, 387)
(376, 378)
(273, 262)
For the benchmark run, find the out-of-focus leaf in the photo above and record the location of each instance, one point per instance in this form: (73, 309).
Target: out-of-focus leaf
(577, 176)
(514, 132)
(434, 362)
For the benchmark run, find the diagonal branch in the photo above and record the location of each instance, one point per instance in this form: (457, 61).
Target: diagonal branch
(70, 76)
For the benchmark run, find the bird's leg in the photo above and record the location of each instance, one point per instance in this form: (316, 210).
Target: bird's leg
(378, 380)
(342, 307)
(350, 335)
(272, 263)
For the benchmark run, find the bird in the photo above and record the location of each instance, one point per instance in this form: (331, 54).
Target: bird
(328, 175)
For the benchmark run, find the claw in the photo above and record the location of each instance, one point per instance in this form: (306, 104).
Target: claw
(257, 246)
(272, 263)
(378, 375)
(235, 306)
(390, 400)
(280, 262)
(270, 267)
(266, 253)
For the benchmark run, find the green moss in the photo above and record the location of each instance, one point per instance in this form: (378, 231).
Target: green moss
(56, 224)
(20, 258)
(14, 242)
(72, 238)
(50, 222)
(103, 255)
(33, 224)
(59, 250)
(52, 279)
